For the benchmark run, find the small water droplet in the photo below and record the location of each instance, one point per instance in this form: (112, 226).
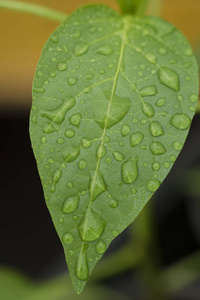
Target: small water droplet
(43, 139)
(60, 140)
(162, 51)
(71, 80)
(91, 226)
(56, 177)
(67, 238)
(108, 160)
(50, 160)
(100, 246)
(70, 185)
(194, 98)
(177, 145)
(148, 110)
(61, 220)
(82, 271)
(115, 233)
(69, 133)
(70, 204)
(75, 119)
(52, 74)
(156, 166)
(76, 34)
(86, 143)
(62, 66)
(54, 39)
(125, 129)
(180, 98)
(169, 78)
(105, 50)
(129, 170)
(101, 151)
(192, 108)
(166, 164)
(135, 120)
(82, 164)
(156, 129)
(152, 185)
(151, 57)
(80, 48)
(71, 153)
(148, 91)
(134, 191)
(71, 252)
(180, 121)
(38, 90)
(157, 148)
(172, 158)
(97, 184)
(160, 102)
(136, 138)
(113, 203)
(118, 156)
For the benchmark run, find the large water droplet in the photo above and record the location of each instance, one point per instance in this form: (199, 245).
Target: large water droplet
(125, 129)
(75, 119)
(157, 148)
(160, 102)
(180, 121)
(118, 156)
(91, 226)
(105, 50)
(97, 184)
(136, 138)
(67, 238)
(156, 129)
(148, 91)
(80, 48)
(130, 170)
(169, 78)
(148, 110)
(71, 153)
(82, 271)
(100, 246)
(152, 185)
(82, 164)
(70, 204)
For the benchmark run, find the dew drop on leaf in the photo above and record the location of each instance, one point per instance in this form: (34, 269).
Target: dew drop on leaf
(152, 185)
(130, 170)
(67, 238)
(156, 129)
(100, 246)
(169, 78)
(180, 121)
(157, 148)
(70, 204)
(136, 138)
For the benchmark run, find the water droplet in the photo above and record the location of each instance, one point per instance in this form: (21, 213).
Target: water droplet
(50, 160)
(110, 66)
(70, 185)
(75, 119)
(43, 139)
(125, 129)
(192, 108)
(82, 271)
(152, 185)
(136, 138)
(108, 160)
(172, 158)
(97, 184)
(156, 129)
(166, 164)
(71, 252)
(101, 151)
(156, 166)
(188, 52)
(60, 140)
(100, 246)
(82, 164)
(71, 153)
(106, 139)
(67, 238)
(54, 39)
(180, 98)
(61, 220)
(89, 76)
(134, 191)
(151, 57)
(52, 74)
(160, 102)
(177, 145)
(115, 233)
(91, 226)
(113, 203)
(62, 66)
(157, 148)
(71, 80)
(169, 78)
(80, 48)
(76, 34)
(135, 120)
(86, 143)
(56, 177)
(118, 156)
(69, 133)
(162, 51)
(180, 121)
(70, 204)
(105, 50)
(148, 91)
(148, 110)
(129, 170)
(38, 90)
(194, 98)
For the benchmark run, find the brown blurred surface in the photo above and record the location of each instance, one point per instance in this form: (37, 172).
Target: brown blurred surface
(22, 38)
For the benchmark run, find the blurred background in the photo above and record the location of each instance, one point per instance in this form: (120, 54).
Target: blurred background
(28, 241)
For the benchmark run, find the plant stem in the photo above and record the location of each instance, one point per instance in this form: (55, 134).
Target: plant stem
(142, 8)
(33, 9)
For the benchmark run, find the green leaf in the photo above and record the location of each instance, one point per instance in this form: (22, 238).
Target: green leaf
(113, 99)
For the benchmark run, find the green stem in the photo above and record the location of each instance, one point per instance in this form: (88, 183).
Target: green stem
(33, 9)
(142, 8)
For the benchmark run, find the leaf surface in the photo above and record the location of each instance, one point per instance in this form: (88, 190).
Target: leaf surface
(113, 99)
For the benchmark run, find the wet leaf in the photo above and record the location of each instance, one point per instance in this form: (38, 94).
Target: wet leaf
(113, 99)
